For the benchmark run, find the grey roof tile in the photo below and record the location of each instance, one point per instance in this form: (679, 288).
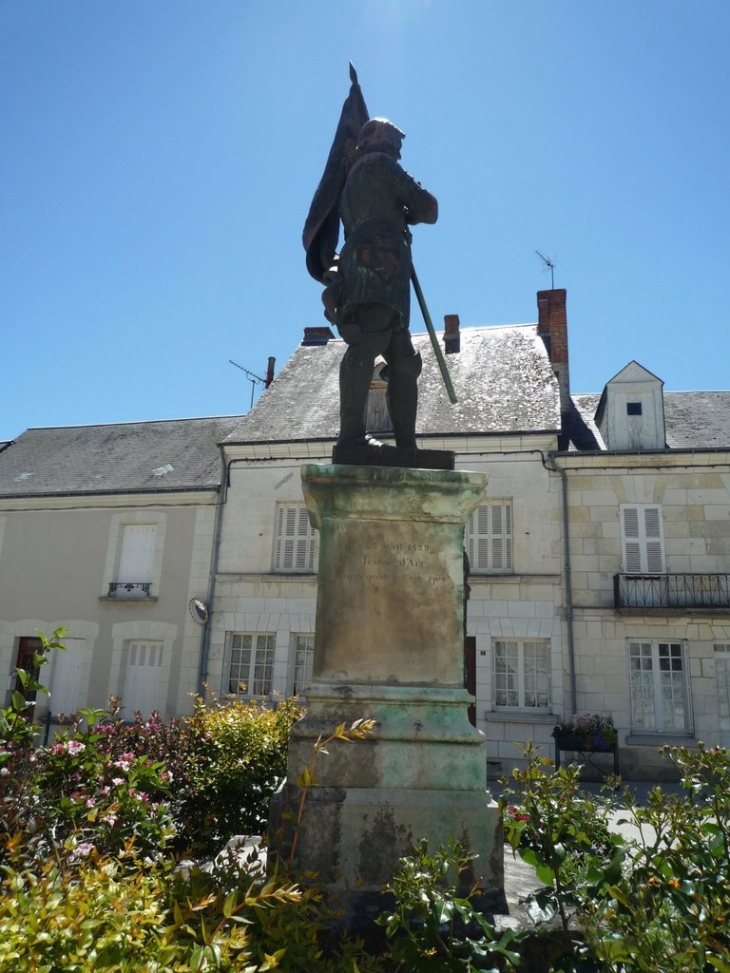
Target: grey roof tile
(692, 420)
(502, 377)
(180, 454)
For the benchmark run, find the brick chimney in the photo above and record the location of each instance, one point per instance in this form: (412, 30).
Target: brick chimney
(552, 326)
(452, 337)
(317, 336)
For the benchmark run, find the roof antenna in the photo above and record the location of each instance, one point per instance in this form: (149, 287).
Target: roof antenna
(549, 264)
(253, 379)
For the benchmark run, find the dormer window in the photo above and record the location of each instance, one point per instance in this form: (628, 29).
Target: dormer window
(630, 415)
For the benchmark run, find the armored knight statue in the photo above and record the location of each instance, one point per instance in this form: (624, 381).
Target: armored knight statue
(367, 286)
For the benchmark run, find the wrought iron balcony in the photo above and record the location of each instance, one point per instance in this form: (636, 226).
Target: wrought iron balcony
(130, 589)
(680, 591)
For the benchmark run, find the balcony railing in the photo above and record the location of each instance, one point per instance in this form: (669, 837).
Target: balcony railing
(130, 589)
(685, 591)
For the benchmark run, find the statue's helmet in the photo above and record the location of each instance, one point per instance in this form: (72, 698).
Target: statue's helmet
(380, 135)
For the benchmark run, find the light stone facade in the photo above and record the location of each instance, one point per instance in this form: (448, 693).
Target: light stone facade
(692, 493)
(58, 558)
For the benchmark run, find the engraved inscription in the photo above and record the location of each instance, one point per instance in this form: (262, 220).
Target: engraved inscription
(384, 562)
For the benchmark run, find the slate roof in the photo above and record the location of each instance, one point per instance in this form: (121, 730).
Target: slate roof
(502, 378)
(138, 457)
(692, 420)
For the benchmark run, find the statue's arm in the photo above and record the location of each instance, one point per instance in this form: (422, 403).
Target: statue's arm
(420, 205)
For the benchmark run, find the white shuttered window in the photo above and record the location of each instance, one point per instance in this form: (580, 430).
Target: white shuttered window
(137, 554)
(643, 538)
(294, 539)
(489, 538)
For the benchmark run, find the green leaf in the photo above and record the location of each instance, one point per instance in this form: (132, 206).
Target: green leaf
(541, 907)
(229, 906)
(546, 874)
(18, 701)
(719, 963)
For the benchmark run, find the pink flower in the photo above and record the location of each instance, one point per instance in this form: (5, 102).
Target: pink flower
(90, 802)
(83, 849)
(117, 781)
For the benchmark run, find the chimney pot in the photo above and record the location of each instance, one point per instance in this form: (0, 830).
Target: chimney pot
(452, 336)
(270, 371)
(317, 336)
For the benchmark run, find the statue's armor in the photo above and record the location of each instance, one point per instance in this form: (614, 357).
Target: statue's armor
(378, 201)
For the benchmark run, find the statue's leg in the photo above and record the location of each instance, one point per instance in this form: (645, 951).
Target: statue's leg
(404, 367)
(356, 374)
(365, 329)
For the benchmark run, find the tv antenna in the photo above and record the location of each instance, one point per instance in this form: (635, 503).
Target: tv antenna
(550, 265)
(253, 379)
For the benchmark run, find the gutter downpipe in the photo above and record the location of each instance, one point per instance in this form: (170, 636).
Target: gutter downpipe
(568, 584)
(205, 639)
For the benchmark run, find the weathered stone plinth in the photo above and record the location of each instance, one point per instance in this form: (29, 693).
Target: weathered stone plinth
(389, 647)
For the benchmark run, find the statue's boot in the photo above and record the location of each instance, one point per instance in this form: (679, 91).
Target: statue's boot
(402, 398)
(356, 374)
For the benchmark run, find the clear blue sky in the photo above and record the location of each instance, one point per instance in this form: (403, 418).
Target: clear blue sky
(159, 159)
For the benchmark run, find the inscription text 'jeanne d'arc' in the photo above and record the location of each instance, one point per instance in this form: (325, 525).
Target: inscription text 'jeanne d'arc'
(393, 563)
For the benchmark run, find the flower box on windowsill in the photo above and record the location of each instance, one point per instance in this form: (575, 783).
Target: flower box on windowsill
(587, 734)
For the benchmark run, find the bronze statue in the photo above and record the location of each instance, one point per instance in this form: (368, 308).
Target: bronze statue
(367, 286)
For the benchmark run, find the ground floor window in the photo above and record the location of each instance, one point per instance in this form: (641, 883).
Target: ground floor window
(659, 687)
(252, 663)
(522, 674)
(302, 658)
(29, 647)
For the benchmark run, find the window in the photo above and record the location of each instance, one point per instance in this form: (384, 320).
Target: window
(658, 687)
(252, 664)
(136, 559)
(302, 648)
(294, 539)
(522, 674)
(643, 539)
(633, 408)
(489, 538)
(29, 647)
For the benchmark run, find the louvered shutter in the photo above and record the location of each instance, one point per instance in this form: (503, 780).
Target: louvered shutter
(137, 555)
(294, 544)
(643, 540)
(654, 544)
(489, 537)
(632, 541)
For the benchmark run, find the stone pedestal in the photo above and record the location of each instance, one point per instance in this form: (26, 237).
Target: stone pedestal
(389, 646)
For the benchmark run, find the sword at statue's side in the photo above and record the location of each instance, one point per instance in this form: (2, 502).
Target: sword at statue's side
(432, 335)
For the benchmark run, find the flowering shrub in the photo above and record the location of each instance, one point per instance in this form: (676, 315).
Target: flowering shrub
(594, 730)
(658, 903)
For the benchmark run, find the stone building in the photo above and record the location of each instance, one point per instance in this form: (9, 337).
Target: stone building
(107, 531)
(599, 555)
